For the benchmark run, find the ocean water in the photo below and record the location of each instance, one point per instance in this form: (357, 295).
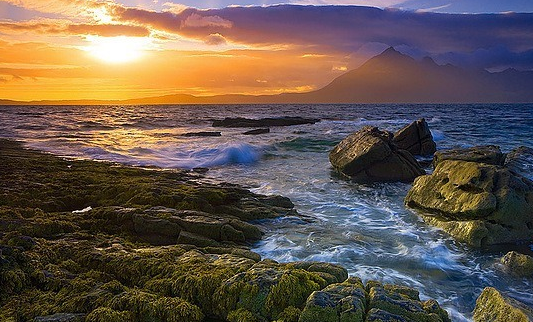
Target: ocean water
(365, 228)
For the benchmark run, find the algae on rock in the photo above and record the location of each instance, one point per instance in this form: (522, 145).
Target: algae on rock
(476, 203)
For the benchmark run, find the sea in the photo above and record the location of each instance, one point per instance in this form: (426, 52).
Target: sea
(364, 227)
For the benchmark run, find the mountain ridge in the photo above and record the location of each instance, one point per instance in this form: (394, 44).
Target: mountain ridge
(390, 77)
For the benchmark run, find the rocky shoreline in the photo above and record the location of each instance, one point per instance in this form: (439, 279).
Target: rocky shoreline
(92, 241)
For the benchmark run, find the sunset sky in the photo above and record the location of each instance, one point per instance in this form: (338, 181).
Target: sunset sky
(91, 49)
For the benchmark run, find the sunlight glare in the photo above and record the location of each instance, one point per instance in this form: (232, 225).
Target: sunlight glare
(117, 49)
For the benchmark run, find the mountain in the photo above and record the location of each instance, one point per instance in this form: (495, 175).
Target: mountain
(393, 77)
(390, 77)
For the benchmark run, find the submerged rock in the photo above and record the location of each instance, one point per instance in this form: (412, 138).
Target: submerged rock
(493, 306)
(489, 154)
(520, 161)
(264, 122)
(416, 138)
(202, 134)
(518, 264)
(369, 155)
(477, 203)
(257, 131)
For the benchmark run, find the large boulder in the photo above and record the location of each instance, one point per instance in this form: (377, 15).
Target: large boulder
(477, 203)
(416, 138)
(520, 161)
(489, 154)
(369, 155)
(518, 264)
(492, 306)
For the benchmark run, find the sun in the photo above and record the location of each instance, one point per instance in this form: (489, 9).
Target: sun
(117, 50)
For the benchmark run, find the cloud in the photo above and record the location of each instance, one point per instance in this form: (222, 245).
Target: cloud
(195, 20)
(64, 27)
(66, 7)
(215, 40)
(343, 28)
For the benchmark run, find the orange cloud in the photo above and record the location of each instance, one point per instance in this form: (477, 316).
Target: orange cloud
(63, 27)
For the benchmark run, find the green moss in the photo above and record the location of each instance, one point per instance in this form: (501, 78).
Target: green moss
(105, 314)
(491, 305)
(242, 315)
(289, 314)
(292, 289)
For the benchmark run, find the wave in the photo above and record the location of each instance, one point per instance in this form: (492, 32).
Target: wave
(239, 153)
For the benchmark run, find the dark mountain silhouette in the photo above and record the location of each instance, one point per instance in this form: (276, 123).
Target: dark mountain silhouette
(390, 77)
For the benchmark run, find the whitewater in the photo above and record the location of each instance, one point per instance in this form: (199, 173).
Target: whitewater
(365, 228)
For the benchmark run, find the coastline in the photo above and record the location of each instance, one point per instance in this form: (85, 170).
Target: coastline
(104, 242)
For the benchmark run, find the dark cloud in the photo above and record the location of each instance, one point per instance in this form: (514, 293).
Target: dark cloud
(345, 27)
(497, 58)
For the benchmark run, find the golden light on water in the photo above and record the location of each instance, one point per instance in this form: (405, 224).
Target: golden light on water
(117, 50)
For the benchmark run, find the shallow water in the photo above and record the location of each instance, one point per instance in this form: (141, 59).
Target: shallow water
(365, 228)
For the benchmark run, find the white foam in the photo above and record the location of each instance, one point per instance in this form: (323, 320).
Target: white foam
(86, 209)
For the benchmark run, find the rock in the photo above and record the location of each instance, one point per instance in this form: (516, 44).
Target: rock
(257, 131)
(267, 289)
(61, 317)
(477, 203)
(520, 161)
(338, 302)
(518, 264)
(493, 306)
(489, 154)
(352, 301)
(369, 155)
(416, 138)
(189, 134)
(264, 122)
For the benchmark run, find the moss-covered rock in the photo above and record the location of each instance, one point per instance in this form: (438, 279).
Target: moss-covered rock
(477, 203)
(352, 301)
(492, 306)
(518, 264)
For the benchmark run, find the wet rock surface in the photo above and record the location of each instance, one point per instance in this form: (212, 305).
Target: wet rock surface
(369, 155)
(351, 300)
(520, 161)
(496, 307)
(489, 154)
(264, 122)
(477, 203)
(416, 138)
(517, 264)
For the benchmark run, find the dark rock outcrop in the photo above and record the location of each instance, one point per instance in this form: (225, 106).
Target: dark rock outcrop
(264, 122)
(477, 203)
(489, 154)
(493, 306)
(520, 161)
(416, 138)
(518, 264)
(257, 131)
(202, 134)
(369, 155)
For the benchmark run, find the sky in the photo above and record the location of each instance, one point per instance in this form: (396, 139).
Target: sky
(119, 49)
